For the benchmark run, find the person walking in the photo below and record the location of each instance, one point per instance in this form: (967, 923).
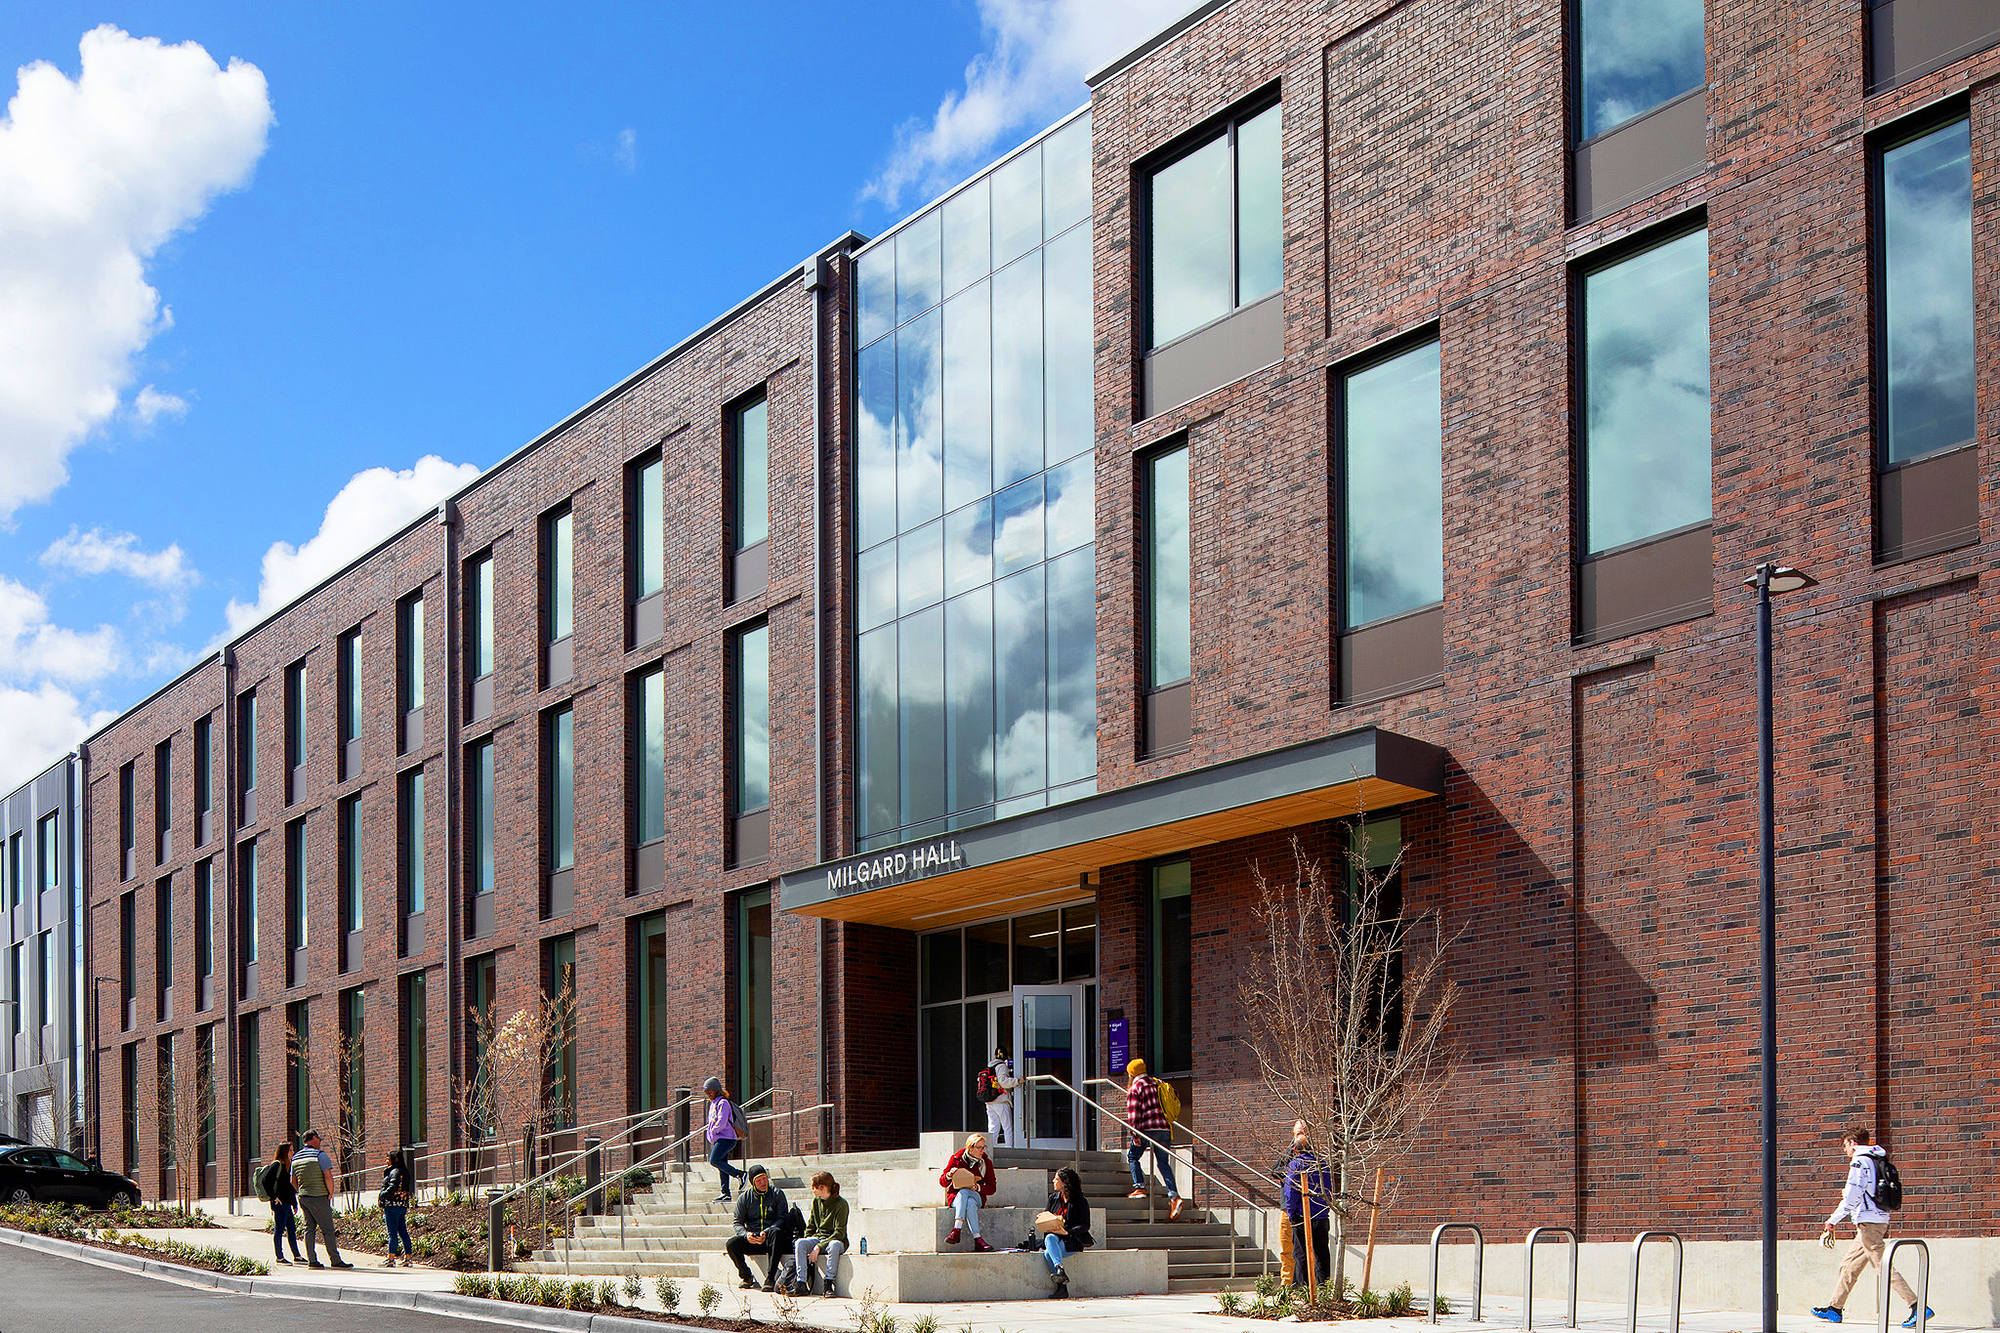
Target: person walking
(395, 1201)
(284, 1197)
(1150, 1129)
(825, 1238)
(969, 1180)
(1066, 1201)
(1861, 1204)
(998, 1079)
(1308, 1204)
(762, 1227)
(312, 1173)
(724, 1131)
(1279, 1171)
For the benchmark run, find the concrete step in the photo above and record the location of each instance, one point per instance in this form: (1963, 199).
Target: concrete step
(581, 1268)
(1177, 1285)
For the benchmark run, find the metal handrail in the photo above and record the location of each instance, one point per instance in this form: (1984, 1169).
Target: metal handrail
(1923, 1309)
(1251, 1172)
(1258, 1210)
(1673, 1309)
(1478, 1264)
(793, 1115)
(1528, 1277)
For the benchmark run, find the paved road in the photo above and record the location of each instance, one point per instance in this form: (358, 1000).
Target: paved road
(41, 1293)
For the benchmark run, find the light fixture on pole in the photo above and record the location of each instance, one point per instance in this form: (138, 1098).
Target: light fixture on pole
(1769, 581)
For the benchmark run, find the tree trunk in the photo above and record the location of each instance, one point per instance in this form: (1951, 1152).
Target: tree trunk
(1337, 1226)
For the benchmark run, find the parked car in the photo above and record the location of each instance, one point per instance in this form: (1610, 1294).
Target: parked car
(7, 1140)
(50, 1175)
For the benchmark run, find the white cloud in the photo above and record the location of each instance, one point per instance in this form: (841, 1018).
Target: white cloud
(1037, 55)
(371, 506)
(626, 154)
(101, 552)
(95, 174)
(31, 648)
(151, 405)
(39, 726)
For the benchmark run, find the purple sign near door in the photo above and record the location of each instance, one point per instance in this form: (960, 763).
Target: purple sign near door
(1117, 1045)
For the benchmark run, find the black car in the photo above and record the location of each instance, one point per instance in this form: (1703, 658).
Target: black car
(50, 1175)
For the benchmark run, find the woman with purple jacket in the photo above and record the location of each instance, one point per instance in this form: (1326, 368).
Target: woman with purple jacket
(724, 1133)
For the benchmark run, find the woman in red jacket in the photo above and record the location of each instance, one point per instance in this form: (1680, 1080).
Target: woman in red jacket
(966, 1192)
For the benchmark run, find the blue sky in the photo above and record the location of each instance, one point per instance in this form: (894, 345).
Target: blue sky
(409, 231)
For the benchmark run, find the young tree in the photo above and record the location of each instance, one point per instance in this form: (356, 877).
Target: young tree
(333, 1080)
(520, 1079)
(186, 1119)
(1347, 1006)
(472, 1093)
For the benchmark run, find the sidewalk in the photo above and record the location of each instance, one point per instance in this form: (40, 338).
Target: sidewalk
(245, 1236)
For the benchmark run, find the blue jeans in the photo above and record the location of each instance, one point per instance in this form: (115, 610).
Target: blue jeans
(397, 1218)
(284, 1222)
(1163, 1162)
(965, 1211)
(719, 1153)
(1054, 1251)
(829, 1256)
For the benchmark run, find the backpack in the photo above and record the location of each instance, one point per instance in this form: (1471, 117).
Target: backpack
(1170, 1102)
(1888, 1184)
(266, 1181)
(989, 1085)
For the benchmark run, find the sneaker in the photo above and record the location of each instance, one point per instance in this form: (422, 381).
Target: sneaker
(720, 1198)
(748, 1283)
(283, 1260)
(1136, 1194)
(315, 1264)
(1911, 1322)
(342, 1263)
(979, 1244)
(952, 1239)
(1174, 1209)
(1830, 1313)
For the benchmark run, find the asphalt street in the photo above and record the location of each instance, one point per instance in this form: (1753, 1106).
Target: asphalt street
(41, 1293)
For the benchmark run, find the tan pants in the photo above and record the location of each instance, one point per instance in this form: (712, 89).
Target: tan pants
(1866, 1252)
(1284, 1250)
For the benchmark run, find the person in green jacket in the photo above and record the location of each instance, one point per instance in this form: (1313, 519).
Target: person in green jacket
(826, 1236)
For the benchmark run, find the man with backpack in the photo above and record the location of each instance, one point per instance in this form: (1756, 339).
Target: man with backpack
(1873, 1189)
(1151, 1109)
(996, 1088)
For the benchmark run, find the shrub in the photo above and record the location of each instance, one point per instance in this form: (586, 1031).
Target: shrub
(669, 1292)
(1399, 1302)
(1267, 1285)
(507, 1287)
(607, 1293)
(708, 1298)
(924, 1323)
(632, 1287)
(1228, 1302)
(638, 1178)
(1443, 1306)
(1367, 1304)
(473, 1284)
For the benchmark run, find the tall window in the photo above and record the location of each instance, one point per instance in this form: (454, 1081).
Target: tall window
(416, 1057)
(128, 951)
(295, 886)
(481, 993)
(559, 978)
(353, 1071)
(649, 757)
(560, 803)
(352, 897)
(1645, 373)
(295, 717)
(410, 806)
(410, 652)
(350, 686)
(753, 719)
(128, 817)
(1378, 845)
(48, 854)
(1635, 55)
(1216, 239)
(204, 768)
(976, 691)
(1169, 633)
(45, 975)
(204, 918)
(1392, 500)
(655, 1034)
(247, 902)
(558, 607)
(204, 1077)
(251, 1073)
(1171, 1032)
(246, 740)
(163, 941)
(1926, 319)
(753, 993)
(298, 1074)
(480, 863)
(14, 984)
(14, 870)
(750, 473)
(163, 800)
(649, 529)
(481, 618)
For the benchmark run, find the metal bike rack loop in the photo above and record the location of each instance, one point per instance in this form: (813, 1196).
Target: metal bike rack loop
(1478, 1264)
(1528, 1277)
(1923, 1288)
(1674, 1309)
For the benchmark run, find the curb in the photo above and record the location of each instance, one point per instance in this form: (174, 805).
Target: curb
(430, 1302)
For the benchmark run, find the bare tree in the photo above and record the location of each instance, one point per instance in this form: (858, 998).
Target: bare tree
(333, 1080)
(522, 1075)
(1347, 1006)
(472, 1099)
(186, 1120)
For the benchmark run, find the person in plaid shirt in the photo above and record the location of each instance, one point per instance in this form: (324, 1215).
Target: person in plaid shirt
(1151, 1129)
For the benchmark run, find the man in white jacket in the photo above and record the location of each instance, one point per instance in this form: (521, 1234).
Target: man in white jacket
(1871, 1227)
(1000, 1111)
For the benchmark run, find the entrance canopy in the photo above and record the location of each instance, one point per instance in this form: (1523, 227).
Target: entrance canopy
(1017, 864)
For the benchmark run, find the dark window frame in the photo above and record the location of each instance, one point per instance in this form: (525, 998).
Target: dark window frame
(1145, 460)
(1380, 354)
(1573, 80)
(732, 465)
(635, 507)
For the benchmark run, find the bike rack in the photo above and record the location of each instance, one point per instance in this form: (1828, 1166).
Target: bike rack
(1478, 1264)
(1674, 1309)
(1528, 1278)
(1923, 1289)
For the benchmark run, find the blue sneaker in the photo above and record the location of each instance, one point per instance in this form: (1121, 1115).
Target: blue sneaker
(1830, 1313)
(1911, 1322)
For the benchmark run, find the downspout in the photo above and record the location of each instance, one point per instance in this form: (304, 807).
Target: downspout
(447, 517)
(815, 282)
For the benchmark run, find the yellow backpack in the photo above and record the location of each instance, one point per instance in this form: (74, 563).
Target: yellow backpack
(1170, 1102)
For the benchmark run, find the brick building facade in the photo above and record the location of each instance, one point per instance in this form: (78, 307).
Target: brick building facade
(1561, 722)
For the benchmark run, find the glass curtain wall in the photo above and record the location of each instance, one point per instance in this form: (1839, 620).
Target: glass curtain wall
(975, 570)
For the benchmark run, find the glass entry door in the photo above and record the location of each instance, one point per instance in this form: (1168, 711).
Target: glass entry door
(1050, 1032)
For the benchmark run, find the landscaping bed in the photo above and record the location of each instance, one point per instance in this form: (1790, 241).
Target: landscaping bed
(620, 1296)
(1274, 1300)
(71, 1223)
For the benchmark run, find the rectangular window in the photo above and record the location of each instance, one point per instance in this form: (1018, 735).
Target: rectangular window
(128, 948)
(163, 939)
(353, 1074)
(204, 768)
(1169, 627)
(163, 798)
(559, 986)
(1376, 850)
(14, 991)
(1217, 232)
(45, 975)
(1926, 315)
(753, 993)
(204, 918)
(481, 994)
(128, 818)
(1634, 56)
(560, 802)
(753, 720)
(247, 902)
(298, 1077)
(558, 608)
(1645, 387)
(649, 528)
(251, 1073)
(649, 757)
(352, 897)
(1171, 1043)
(410, 652)
(128, 1091)
(655, 1028)
(15, 870)
(204, 1077)
(246, 740)
(295, 887)
(350, 686)
(1392, 493)
(480, 815)
(295, 716)
(48, 855)
(416, 1057)
(481, 619)
(410, 805)
(750, 473)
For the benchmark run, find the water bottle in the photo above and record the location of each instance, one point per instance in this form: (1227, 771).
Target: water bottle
(864, 1244)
